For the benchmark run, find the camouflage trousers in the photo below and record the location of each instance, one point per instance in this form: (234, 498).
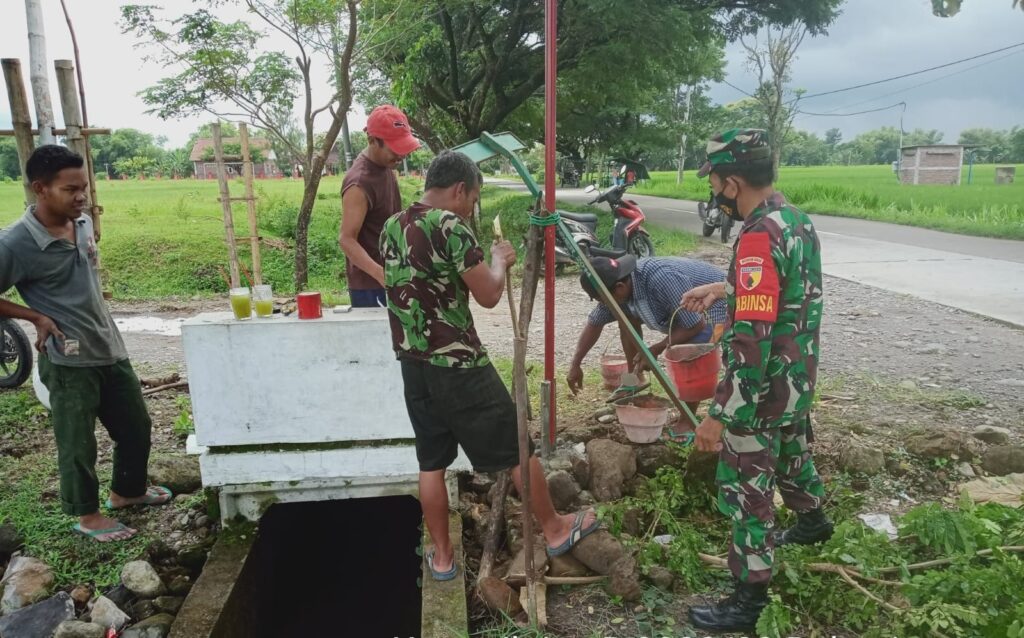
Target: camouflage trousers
(749, 466)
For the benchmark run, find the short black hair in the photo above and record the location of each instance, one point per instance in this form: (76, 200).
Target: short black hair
(450, 168)
(756, 174)
(46, 161)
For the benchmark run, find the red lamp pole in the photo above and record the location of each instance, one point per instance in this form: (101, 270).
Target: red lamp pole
(550, 111)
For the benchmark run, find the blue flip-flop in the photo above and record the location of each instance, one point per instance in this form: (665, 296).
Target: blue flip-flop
(448, 575)
(684, 438)
(576, 534)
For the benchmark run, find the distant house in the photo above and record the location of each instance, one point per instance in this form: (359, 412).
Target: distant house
(931, 164)
(206, 167)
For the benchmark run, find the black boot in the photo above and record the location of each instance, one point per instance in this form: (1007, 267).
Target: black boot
(811, 527)
(738, 612)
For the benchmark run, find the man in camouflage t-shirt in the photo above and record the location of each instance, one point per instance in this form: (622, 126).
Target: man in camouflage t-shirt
(759, 420)
(432, 263)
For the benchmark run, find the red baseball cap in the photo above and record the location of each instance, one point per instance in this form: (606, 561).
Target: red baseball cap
(391, 125)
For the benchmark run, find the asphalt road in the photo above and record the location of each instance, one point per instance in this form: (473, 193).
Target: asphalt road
(976, 274)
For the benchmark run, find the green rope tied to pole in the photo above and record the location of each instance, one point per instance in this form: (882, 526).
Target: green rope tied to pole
(545, 220)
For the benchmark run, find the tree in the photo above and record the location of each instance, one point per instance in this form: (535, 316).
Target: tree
(9, 165)
(772, 62)
(138, 166)
(460, 68)
(225, 73)
(833, 137)
(806, 149)
(1016, 143)
(994, 146)
(123, 144)
(176, 163)
(949, 8)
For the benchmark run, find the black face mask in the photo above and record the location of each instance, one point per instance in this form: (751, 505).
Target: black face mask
(727, 205)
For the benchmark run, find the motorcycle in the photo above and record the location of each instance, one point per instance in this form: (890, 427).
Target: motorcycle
(628, 233)
(713, 217)
(15, 354)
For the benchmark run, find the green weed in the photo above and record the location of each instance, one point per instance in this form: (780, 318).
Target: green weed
(19, 410)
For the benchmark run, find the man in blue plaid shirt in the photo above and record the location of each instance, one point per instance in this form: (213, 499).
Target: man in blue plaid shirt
(649, 291)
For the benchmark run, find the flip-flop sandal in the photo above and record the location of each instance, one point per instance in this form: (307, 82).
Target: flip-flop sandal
(155, 495)
(448, 575)
(98, 534)
(576, 534)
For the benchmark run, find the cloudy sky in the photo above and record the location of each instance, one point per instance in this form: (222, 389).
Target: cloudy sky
(873, 39)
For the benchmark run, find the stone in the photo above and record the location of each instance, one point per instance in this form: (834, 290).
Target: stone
(566, 565)
(204, 521)
(40, 619)
(108, 615)
(143, 609)
(10, 541)
(563, 489)
(605, 411)
(498, 596)
(178, 473)
(81, 595)
(121, 597)
(193, 558)
(169, 604)
(586, 498)
(179, 586)
(26, 581)
(930, 348)
(611, 464)
(78, 629)
(939, 444)
(153, 627)
(633, 521)
(624, 580)
(992, 434)
(1003, 460)
(965, 470)
(856, 456)
(908, 384)
(581, 470)
(517, 568)
(606, 418)
(141, 579)
(661, 577)
(183, 520)
(650, 457)
(599, 551)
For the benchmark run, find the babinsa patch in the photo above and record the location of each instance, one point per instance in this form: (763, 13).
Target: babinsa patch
(757, 293)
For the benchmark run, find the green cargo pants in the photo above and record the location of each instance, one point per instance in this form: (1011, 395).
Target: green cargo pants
(77, 397)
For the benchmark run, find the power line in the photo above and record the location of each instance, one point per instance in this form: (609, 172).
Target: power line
(884, 108)
(932, 81)
(907, 75)
(738, 88)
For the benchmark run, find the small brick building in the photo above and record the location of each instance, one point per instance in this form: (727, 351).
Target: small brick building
(932, 164)
(206, 168)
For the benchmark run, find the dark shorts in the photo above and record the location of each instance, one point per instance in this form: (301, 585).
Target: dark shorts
(470, 407)
(370, 298)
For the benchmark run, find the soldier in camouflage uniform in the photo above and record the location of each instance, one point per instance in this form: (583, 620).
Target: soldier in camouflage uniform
(432, 263)
(759, 420)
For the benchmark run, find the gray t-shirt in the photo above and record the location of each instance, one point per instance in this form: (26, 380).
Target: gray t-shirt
(60, 280)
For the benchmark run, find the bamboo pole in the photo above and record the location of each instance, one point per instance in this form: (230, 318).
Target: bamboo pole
(225, 204)
(86, 131)
(21, 120)
(250, 201)
(37, 71)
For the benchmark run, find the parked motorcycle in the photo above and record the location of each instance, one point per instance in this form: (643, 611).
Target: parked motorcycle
(713, 217)
(628, 233)
(15, 354)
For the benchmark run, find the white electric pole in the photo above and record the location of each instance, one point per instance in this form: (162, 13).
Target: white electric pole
(682, 140)
(38, 71)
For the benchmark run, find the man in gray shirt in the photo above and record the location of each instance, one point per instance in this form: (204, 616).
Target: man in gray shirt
(50, 256)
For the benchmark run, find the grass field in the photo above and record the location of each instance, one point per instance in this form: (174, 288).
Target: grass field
(872, 192)
(165, 238)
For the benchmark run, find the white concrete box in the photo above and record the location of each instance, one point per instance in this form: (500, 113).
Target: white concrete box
(286, 380)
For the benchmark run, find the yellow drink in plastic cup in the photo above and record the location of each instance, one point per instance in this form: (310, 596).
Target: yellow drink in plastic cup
(264, 300)
(241, 304)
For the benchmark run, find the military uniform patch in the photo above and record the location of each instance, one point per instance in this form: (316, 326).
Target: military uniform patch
(757, 293)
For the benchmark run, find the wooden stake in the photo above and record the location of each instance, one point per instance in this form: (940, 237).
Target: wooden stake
(21, 119)
(495, 523)
(225, 204)
(250, 202)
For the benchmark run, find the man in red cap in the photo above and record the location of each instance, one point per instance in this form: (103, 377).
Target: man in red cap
(369, 196)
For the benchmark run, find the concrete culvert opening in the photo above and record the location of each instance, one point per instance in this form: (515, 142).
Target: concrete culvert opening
(339, 568)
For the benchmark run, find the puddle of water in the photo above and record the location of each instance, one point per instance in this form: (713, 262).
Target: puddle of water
(155, 325)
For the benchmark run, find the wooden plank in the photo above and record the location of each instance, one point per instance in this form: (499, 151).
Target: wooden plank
(250, 200)
(86, 131)
(225, 204)
(21, 119)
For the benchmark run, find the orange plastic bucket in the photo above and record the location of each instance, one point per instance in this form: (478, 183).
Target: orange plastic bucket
(613, 366)
(694, 374)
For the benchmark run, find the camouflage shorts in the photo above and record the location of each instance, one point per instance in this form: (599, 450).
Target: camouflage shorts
(749, 465)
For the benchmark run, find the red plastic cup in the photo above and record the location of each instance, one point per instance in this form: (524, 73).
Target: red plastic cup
(309, 305)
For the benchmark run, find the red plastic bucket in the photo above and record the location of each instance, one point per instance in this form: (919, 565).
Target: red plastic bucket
(309, 305)
(613, 366)
(695, 375)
